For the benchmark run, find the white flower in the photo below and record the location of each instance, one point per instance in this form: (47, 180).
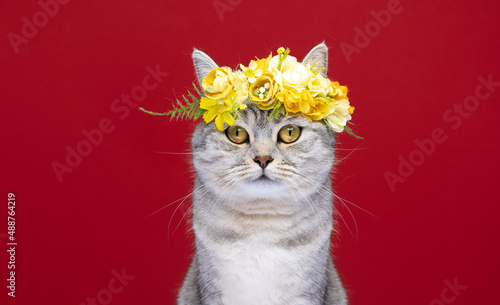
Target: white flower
(318, 84)
(339, 115)
(287, 63)
(297, 77)
(292, 74)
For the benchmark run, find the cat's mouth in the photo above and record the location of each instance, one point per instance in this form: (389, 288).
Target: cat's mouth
(264, 179)
(265, 186)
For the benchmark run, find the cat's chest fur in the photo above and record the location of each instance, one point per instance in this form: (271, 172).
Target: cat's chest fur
(257, 268)
(253, 274)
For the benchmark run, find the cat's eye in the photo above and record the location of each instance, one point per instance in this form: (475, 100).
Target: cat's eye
(289, 134)
(237, 134)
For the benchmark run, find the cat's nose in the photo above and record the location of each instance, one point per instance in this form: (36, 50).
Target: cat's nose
(263, 161)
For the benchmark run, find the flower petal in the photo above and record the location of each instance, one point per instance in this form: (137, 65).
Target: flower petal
(219, 122)
(210, 115)
(206, 103)
(229, 119)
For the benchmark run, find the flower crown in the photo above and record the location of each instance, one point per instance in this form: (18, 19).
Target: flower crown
(280, 84)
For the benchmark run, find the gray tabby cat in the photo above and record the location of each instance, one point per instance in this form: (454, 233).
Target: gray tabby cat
(262, 209)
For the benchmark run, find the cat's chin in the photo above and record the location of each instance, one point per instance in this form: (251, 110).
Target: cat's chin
(265, 181)
(264, 187)
(265, 193)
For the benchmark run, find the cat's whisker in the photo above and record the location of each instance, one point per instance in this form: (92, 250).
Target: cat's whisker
(218, 197)
(182, 200)
(350, 212)
(173, 153)
(188, 210)
(180, 221)
(166, 206)
(347, 226)
(178, 206)
(352, 150)
(224, 182)
(338, 212)
(357, 206)
(295, 186)
(350, 202)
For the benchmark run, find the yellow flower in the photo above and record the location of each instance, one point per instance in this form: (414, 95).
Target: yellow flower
(252, 71)
(219, 110)
(318, 110)
(296, 101)
(337, 91)
(263, 91)
(264, 62)
(255, 68)
(340, 113)
(217, 83)
(302, 102)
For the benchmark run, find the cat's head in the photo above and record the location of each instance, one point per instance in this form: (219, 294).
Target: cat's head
(259, 165)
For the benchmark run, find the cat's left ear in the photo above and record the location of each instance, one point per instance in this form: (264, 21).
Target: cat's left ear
(318, 54)
(203, 64)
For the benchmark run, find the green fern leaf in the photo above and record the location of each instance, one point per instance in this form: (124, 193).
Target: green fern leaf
(186, 108)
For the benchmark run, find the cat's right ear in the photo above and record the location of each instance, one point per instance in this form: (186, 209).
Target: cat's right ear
(203, 64)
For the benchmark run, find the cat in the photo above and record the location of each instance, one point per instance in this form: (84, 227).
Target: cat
(262, 212)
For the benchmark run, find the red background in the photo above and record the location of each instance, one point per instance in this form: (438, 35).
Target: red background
(439, 225)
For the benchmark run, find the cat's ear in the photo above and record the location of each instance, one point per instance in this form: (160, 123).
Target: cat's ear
(203, 64)
(318, 54)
